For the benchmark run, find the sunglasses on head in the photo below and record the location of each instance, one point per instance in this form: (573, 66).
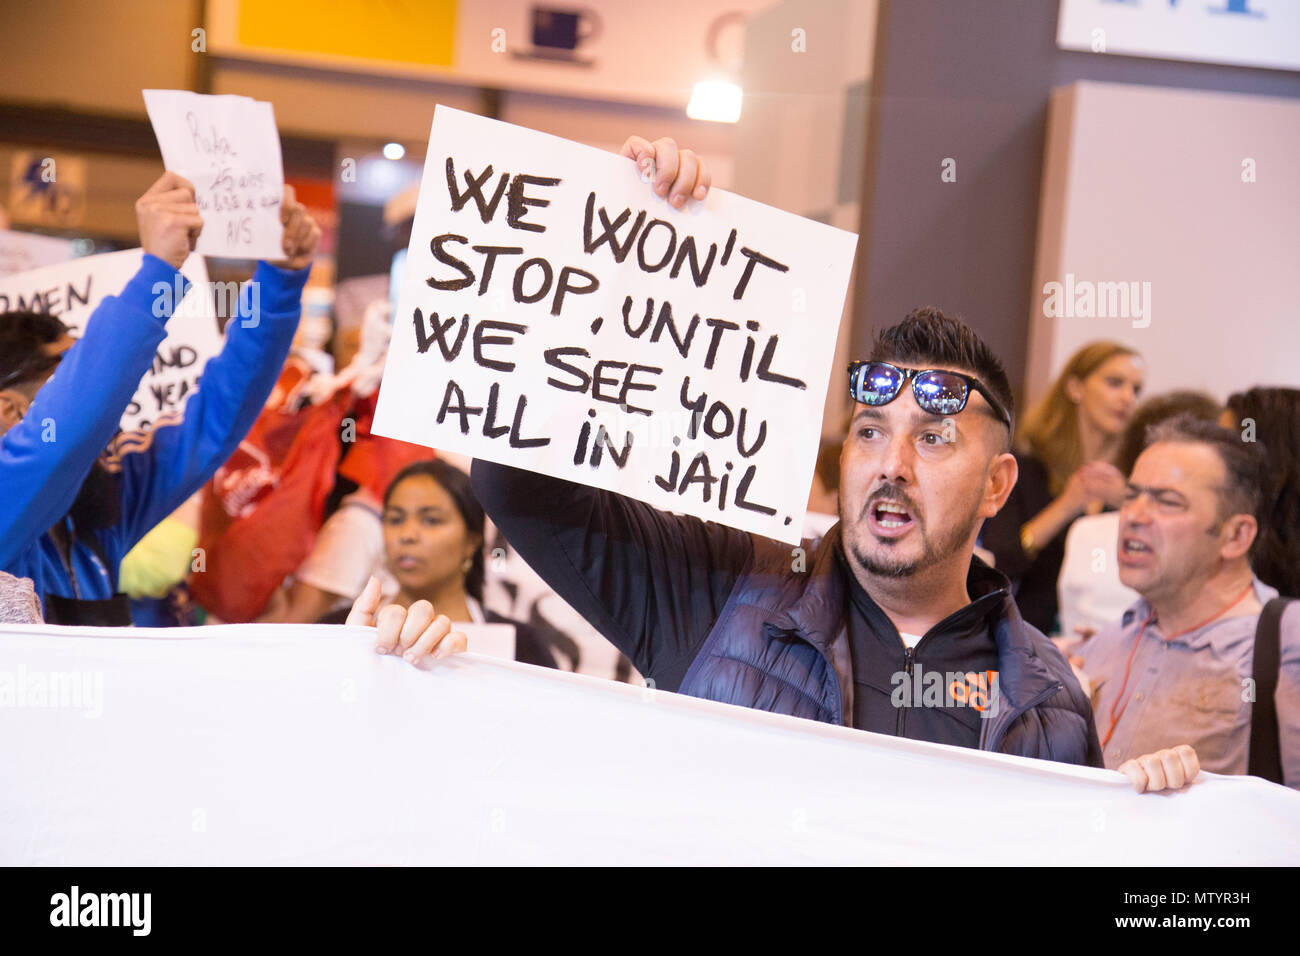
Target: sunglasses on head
(937, 391)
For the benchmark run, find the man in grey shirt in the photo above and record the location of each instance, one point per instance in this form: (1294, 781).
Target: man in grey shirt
(1175, 672)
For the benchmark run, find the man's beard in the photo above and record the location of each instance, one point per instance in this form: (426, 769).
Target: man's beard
(931, 554)
(99, 502)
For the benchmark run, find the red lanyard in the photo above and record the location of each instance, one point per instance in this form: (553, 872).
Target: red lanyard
(1114, 717)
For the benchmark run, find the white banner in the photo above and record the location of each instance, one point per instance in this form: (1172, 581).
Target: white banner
(72, 290)
(556, 315)
(1261, 33)
(295, 744)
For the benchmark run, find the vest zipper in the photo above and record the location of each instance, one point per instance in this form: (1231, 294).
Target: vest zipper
(902, 711)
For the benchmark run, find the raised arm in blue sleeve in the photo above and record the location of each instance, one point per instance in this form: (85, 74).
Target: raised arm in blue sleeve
(162, 467)
(45, 457)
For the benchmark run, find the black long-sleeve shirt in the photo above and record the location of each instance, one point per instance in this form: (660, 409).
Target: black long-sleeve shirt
(1034, 579)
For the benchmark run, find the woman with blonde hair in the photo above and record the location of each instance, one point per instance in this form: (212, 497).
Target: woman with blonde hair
(1066, 450)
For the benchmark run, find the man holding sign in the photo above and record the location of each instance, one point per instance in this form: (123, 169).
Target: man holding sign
(68, 514)
(890, 624)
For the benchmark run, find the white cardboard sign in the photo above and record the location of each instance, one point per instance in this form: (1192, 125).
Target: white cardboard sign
(229, 148)
(21, 251)
(72, 290)
(558, 316)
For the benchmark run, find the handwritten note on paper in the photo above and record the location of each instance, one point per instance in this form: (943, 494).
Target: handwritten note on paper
(73, 290)
(556, 315)
(229, 148)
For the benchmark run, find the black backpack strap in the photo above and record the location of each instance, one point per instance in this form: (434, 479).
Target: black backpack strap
(1265, 751)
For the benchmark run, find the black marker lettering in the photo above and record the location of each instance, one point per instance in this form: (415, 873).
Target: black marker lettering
(474, 190)
(610, 231)
(627, 321)
(439, 334)
(552, 357)
(687, 253)
(519, 280)
(460, 407)
(518, 202)
(564, 286)
(743, 489)
(665, 321)
(446, 258)
(668, 252)
(719, 326)
(492, 252)
(481, 340)
(754, 257)
(490, 428)
(765, 365)
(740, 436)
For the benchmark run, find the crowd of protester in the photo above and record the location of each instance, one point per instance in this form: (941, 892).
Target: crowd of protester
(1114, 562)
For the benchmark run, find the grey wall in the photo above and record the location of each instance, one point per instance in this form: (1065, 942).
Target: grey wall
(971, 80)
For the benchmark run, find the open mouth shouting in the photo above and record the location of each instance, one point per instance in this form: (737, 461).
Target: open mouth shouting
(889, 519)
(1133, 551)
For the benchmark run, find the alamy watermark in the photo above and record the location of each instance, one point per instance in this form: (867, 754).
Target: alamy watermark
(62, 690)
(921, 688)
(1085, 299)
(232, 300)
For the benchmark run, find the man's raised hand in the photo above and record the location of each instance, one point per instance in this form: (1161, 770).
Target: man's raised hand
(301, 234)
(168, 219)
(677, 174)
(414, 632)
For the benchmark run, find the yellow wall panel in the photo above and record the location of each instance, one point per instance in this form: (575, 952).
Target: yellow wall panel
(400, 31)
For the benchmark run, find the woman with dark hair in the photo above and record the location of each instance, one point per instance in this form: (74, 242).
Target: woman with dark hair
(433, 548)
(1066, 452)
(1271, 416)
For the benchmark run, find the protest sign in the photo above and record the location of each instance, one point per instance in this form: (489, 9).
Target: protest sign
(228, 147)
(558, 316)
(22, 251)
(72, 290)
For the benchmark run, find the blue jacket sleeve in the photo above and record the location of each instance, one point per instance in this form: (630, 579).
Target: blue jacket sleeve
(45, 457)
(163, 466)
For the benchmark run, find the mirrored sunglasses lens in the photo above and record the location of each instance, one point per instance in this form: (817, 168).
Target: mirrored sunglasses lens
(941, 393)
(879, 385)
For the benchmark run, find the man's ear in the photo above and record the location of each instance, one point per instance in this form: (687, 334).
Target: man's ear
(1002, 476)
(1236, 536)
(12, 409)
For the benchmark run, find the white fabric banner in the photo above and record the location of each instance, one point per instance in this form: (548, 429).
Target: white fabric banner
(290, 744)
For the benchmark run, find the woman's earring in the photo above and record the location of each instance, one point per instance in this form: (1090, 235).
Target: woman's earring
(466, 565)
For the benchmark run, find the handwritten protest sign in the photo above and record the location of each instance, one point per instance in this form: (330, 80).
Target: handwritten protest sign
(228, 147)
(71, 290)
(21, 251)
(558, 316)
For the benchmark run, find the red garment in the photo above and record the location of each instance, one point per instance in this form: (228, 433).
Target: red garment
(373, 461)
(263, 508)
